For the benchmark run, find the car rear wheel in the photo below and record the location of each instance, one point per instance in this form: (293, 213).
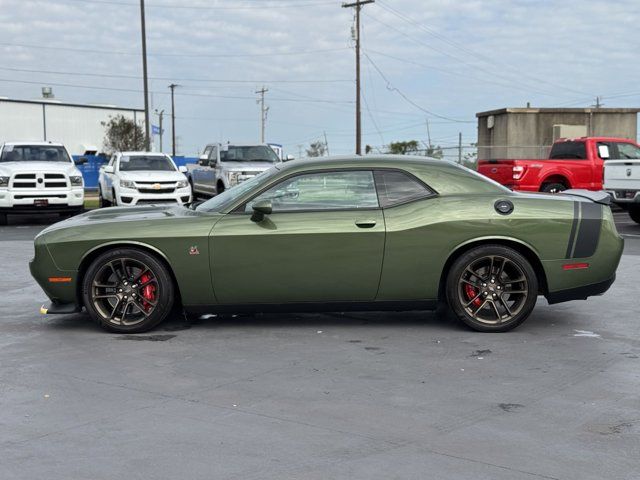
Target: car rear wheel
(128, 290)
(634, 213)
(3, 218)
(553, 188)
(492, 288)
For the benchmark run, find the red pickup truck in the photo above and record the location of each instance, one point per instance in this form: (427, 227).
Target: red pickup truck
(572, 163)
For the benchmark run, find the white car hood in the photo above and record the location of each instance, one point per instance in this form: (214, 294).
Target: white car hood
(152, 176)
(9, 168)
(246, 166)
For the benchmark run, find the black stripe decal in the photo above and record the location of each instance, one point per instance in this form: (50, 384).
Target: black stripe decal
(589, 231)
(574, 227)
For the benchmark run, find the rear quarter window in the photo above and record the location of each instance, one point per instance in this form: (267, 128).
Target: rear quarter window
(568, 150)
(396, 187)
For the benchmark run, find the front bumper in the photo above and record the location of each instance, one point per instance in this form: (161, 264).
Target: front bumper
(30, 200)
(133, 197)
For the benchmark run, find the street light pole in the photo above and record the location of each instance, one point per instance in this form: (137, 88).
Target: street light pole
(147, 137)
(160, 115)
(173, 120)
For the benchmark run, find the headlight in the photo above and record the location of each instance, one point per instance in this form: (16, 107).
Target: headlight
(4, 181)
(76, 180)
(233, 178)
(182, 184)
(127, 184)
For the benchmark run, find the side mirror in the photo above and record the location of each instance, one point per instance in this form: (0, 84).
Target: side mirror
(203, 160)
(289, 158)
(80, 161)
(109, 169)
(603, 151)
(183, 169)
(260, 209)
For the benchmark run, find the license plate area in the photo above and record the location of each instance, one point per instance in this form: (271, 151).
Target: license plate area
(40, 202)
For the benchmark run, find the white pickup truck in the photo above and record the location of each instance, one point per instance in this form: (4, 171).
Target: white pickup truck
(622, 181)
(222, 166)
(39, 177)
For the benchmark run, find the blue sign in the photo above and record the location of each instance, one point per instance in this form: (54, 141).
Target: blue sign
(155, 130)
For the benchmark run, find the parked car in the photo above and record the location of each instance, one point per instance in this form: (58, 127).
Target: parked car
(136, 178)
(572, 163)
(622, 179)
(374, 232)
(222, 166)
(39, 177)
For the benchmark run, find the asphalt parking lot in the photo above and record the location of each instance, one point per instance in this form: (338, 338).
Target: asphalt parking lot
(319, 396)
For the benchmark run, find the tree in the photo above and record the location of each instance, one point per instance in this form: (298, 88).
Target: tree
(403, 148)
(316, 149)
(122, 134)
(434, 151)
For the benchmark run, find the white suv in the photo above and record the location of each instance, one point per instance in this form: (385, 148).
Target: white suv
(136, 178)
(39, 177)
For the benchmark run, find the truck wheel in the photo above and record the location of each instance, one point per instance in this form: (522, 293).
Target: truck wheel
(492, 288)
(220, 188)
(553, 188)
(634, 213)
(114, 198)
(3, 218)
(102, 202)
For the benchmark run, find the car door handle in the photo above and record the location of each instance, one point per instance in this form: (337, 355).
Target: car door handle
(365, 223)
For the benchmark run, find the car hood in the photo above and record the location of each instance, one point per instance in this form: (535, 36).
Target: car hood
(152, 176)
(112, 215)
(8, 168)
(246, 166)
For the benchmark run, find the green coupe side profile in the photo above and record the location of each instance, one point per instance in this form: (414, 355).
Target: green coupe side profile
(335, 234)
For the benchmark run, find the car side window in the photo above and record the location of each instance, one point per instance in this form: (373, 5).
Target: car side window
(610, 149)
(213, 157)
(627, 151)
(112, 160)
(337, 190)
(396, 187)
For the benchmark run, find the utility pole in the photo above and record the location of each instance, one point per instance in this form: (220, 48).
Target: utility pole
(263, 112)
(358, 5)
(160, 115)
(428, 134)
(326, 143)
(173, 120)
(147, 137)
(459, 147)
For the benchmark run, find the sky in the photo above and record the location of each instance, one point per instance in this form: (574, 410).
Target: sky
(423, 61)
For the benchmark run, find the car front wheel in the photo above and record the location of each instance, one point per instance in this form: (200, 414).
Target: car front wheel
(634, 213)
(128, 290)
(492, 288)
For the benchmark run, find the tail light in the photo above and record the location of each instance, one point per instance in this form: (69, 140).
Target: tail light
(518, 172)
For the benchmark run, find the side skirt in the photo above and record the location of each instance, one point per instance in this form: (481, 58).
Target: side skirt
(315, 307)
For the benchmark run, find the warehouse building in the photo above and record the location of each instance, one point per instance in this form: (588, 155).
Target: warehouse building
(77, 126)
(529, 132)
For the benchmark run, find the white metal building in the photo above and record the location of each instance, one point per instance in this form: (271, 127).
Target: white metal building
(77, 126)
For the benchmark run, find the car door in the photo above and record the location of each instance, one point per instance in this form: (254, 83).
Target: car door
(210, 171)
(107, 180)
(323, 242)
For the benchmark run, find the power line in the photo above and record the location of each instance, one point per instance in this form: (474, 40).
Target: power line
(392, 88)
(137, 77)
(194, 55)
(205, 7)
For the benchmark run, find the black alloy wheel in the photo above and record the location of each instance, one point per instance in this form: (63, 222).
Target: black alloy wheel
(128, 290)
(492, 288)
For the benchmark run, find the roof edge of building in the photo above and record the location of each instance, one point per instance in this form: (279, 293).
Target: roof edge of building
(46, 101)
(501, 111)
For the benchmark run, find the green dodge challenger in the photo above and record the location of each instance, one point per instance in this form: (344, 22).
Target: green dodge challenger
(352, 233)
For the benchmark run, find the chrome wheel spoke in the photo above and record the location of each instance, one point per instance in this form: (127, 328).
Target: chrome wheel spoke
(473, 300)
(505, 305)
(473, 284)
(139, 306)
(106, 295)
(495, 309)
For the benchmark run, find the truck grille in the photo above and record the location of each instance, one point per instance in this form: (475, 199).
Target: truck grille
(156, 187)
(152, 190)
(39, 180)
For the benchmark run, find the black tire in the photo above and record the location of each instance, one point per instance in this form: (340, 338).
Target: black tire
(553, 187)
(114, 199)
(634, 213)
(219, 188)
(3, 218)
(102, 202)
(499, 296)
(145, 294)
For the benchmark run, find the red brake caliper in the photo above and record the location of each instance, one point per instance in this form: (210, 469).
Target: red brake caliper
(148, 291)
(471, 294)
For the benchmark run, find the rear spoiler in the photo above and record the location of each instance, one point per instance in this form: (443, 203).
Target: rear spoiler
(601, 197)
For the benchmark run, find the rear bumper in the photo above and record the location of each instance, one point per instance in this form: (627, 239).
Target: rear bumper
(60, 308)
(580, 293)
(624, 196)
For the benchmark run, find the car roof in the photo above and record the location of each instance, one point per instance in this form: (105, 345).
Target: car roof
(369, 161)
(147, 154)
(39, 143)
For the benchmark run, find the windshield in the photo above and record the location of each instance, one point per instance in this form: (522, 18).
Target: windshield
(140, 163)
(225, 199)
(34, 153)
(256, 153)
